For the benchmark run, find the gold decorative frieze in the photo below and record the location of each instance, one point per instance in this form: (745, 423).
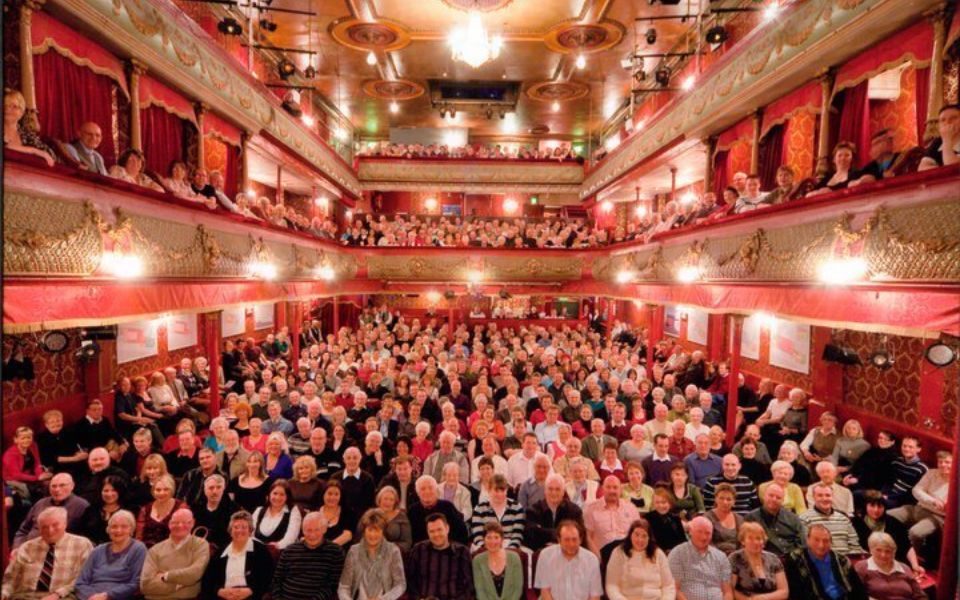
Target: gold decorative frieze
(460, 267)
(49, 237)
(373, 173)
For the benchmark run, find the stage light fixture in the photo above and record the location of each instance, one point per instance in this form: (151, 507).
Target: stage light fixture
(940, 355)
(449, 295)
(555, 107)
(688, 274)
(268, 25)
(309, 72)
(88, 351)
(651, 36)
(716, 35)
(286, 69)
(881, 359)
(662, 76)
(229, 26)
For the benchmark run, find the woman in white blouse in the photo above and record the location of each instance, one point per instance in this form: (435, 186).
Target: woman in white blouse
(242, 569)
(638, 570)
(277, 523)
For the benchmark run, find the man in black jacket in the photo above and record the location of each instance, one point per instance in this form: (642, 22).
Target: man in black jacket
(428, 493)
(543, 516)
(816, 572)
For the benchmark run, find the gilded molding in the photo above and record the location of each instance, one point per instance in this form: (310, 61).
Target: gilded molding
(49, 237)
(447, 172)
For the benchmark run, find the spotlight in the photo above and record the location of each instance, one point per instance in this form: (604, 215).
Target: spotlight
(309, 72)
(229, 26)
(371, 58)
(268, 25)
(606, 206)
(625, 277)
(843, 271)
(121, 265)
(662, 76)
(940, 354)
(286, 69)
(651, 36)
(510, 206)
(771, 11)
(326, 273)
(688, 274)
(430, 204)
(881, 359)
(88, 351)
(555, 106)
(394, 107)
(474, 276)
(308, 120)
(688, 83)
(716, 35)
(581, 61)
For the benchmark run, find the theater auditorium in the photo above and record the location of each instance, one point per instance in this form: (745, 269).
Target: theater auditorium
(480, 299)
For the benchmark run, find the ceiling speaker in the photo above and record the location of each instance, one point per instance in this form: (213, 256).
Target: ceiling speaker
(840, 354)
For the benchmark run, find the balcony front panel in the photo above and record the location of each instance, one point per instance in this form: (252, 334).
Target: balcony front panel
(472, 176)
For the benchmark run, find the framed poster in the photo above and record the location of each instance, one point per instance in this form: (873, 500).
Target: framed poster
(790, 346)
(697, 321)
(136, 340)
(671, 321)
(750, 340)
(233, 321)
(263, 316)
(181, 331)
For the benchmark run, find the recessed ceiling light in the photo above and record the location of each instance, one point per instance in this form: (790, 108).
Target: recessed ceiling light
(394, 107)
(371, 58)
(555, 106)
(581, 61)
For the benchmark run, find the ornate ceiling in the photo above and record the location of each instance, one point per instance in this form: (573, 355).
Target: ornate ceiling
(409, 40)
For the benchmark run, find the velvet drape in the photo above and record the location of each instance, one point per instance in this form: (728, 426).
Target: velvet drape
(69, 95)
(163, 138)
(922, 96)
(771, 156)
(231, 172)
(720, 180)
(855, 122)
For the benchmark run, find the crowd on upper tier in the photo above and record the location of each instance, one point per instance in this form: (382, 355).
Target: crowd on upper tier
(469, 151)
(400, 458)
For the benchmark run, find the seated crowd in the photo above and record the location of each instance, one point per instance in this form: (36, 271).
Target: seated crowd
(402, 458)
(469, 151)
(194, 185)
(449, 232)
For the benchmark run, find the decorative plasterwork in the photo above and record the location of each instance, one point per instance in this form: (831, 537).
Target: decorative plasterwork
(471, 188)
(381, 35)
(458, 268)
(168, 45)
(557, 91)
(50, 237)
(446, 172)
(808, 24)
(481, 5)
(394, 89)
(572, 37)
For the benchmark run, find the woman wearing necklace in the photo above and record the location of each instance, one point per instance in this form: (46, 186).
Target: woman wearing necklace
(756, 573)
(277, 523)
(249, 490)
(497, 574)
(112, 571)
(373, 569)
(726, 523)
(340, 520)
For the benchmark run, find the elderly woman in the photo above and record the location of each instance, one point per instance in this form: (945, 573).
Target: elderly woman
(376, 457)
(218, 427)
(820, 441)
(305, 489)
(790, 454)
(883, 576)
(638, 569)
(875, 518)
(756, 572)
(497, 574)
(129, 168)
(455, 492)
(15, 135)
(243, 569)
(153, 522)
(112, 571)
(850, 446)
(782, 472)
(397, 528)
(373, 567)
(277, 523)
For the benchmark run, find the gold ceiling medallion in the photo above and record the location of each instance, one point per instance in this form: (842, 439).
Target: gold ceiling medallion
(396, 89)
(381, 35)
(481, 5)
(557, 91)
(569, 37)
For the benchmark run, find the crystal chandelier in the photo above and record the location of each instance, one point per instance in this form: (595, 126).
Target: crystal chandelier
(472, 45)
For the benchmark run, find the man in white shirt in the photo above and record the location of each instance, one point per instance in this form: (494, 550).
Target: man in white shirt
(567, 571)
(520, 465)
(84, 148)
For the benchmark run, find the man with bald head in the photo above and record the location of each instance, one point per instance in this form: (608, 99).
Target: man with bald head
(174, 567)
(61, 494)
(47, 566)
(98, 469)
(785, 531)
(701, 571)
(84, 149)
(747, 498)
(309, 569)
(609, 518)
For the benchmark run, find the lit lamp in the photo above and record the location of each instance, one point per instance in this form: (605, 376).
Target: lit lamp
(326, 273)
(263, 270)
(121, 265)
(624, 277)
(606, 206)
(510, 206)
(842, 271)
(430, 204)
(474, 276)
(688, 274)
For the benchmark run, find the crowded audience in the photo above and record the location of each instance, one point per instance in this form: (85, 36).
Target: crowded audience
(400, 457)
(469, 151)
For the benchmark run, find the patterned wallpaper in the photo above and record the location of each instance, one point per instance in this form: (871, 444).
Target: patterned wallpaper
(800, 142)
(738, 159)
(58, 376)
(898, 115)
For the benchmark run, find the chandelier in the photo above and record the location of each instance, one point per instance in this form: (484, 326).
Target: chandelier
(472, 45)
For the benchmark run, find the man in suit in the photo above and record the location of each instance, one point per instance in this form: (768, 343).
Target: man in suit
(84, 148)
(593, 444)
(544, 516)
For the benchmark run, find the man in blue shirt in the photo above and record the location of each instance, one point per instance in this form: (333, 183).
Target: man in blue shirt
(818, 573)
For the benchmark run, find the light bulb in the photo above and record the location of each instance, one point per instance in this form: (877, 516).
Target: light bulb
(394, 107)
(555, 106)
(581, 61)
(371, 58)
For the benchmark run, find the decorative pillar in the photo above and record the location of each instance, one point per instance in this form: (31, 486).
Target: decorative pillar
(708, 174)
(200, 108)
(673, 183)
(823, 143)
(336, 316)
(715, 337)
(655, 315)
(27, 83)
(935, 98)
(733, 382)
(755, 148)
(135, 69)
(213, 344)
(279, 184)
(244, 158)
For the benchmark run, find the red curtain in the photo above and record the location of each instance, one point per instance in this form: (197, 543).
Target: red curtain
(231, 172)
(162, 138)
(90, 98)
(771, 156)
(720, 175)
(855, 122)
(923, 95)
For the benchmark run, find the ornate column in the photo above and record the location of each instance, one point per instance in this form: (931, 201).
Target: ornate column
(27, 84)
(213, 343)
(244, 183)
(135, 69)
(200, 108)
(938, 18)
(755, 147)
(673, 183)
(733, 381)
(711, 145)
(823, 142)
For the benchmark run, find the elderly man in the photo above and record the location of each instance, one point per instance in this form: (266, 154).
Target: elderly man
(214, 509)
(46, 567)
(785, 531)
(660, 424)
(309, 569)
(84, 149)
(190, 489)
(428, 492)
(216, 180)
(594, 443)
(842, 497)
(99, 468)
(701, 571)
(702, 464)
(562, 465)
(816, 572)
(747, 498)
(581, 490)
(658, 465)
(447, 452)
(520, 465)
(438, 567)
(544, 516)
(679, 444)
(532, 490)
(174, 567)
(609, 518)
(566, 570)
(275, 420)
(358, 486)
(232, 460)
(843, 535)
(61, 494)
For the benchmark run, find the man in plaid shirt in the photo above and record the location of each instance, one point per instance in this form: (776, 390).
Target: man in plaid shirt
(46, 567)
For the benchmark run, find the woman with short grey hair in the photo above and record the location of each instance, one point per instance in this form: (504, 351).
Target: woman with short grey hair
(112, 571)
(883, 576)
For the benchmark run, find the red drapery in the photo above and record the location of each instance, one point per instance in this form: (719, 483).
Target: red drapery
(720, 175)
(922, 96)
(742, 131)
(855, 122)
(231, 172)
(807, 97)
(90, 99)
(162, 138)
(49, 34)
(217, 127)
(914, 44)
(771, 156)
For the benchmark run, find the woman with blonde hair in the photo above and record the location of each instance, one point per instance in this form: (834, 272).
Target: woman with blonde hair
(15, 135)
(249, 490)
(756, 572)
(850, 446)
(153, 522)
(782, 472)
(305, 489)
(397, 528)
(140, 492)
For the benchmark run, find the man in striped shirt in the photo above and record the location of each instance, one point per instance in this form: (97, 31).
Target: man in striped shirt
(906, 470)
(747, 498)
(844, 536)
(309, 569)
(438, 568)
